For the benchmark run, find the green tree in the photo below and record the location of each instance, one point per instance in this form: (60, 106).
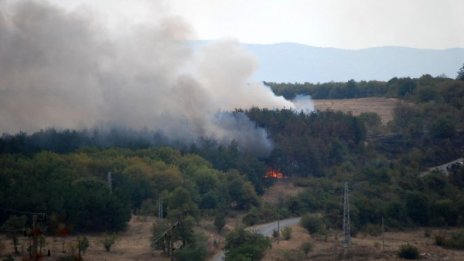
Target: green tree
(13, 227)
(245, 245)
(460, 75)
(180, 204)
(194, 251)
(418, 207)
(314, 223)
(443, 128)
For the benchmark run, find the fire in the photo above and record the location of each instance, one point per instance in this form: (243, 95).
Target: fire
(274, 174)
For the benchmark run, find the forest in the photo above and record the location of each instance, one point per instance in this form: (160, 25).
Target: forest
(65, 173)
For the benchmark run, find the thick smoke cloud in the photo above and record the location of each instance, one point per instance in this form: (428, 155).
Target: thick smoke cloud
(62, 69)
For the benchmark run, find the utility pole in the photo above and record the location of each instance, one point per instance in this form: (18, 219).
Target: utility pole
(160, 209)
(383, 235)
(346, 217)
(110, 182)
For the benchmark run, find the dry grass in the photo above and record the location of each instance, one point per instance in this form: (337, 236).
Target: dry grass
(382, 106)
(362, 248)
(280, 190)
(133, 244)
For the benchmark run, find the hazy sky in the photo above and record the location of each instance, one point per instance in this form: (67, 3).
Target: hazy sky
(347, 24)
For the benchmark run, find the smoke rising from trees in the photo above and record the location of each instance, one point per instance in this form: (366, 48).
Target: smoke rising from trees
(63, 69)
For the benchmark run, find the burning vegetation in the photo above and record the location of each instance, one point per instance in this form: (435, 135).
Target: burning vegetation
(274, 174)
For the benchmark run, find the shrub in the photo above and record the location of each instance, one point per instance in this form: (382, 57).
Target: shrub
(275, 233)
(287, 233)
(427, 232)
(82, 244)
(219, 222)
(108, 241)
(454, 241)
(373, 230)
(314, 223)
(241, 243)
(408, 252)
(251, 218)
(307, 247)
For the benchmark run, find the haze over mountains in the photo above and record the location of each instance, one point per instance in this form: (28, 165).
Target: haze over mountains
(290, 62)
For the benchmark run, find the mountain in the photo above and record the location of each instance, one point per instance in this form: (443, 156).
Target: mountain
(290, 62)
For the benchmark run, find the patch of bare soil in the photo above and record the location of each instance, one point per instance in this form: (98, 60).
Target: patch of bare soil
(382, 106)
(363, 247)
(280, 190)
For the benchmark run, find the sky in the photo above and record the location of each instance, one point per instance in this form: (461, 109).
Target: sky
(353, 24)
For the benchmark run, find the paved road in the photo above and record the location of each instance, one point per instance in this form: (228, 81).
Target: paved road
(263, 229)
(442, 168)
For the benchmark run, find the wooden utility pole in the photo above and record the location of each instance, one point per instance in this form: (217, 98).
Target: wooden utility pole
(383, 235)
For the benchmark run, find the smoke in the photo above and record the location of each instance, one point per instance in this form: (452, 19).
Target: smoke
(303, 103)
(63, 69)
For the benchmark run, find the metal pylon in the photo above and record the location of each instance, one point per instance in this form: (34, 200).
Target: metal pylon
(346, 217)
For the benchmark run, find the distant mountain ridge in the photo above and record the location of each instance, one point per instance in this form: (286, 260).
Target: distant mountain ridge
(291, 62)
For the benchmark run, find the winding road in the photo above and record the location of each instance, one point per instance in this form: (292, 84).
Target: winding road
(263, 229)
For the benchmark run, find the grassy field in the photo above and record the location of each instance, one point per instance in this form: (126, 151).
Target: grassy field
(382, 106)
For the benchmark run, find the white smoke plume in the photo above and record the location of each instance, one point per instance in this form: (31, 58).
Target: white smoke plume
(63, 69)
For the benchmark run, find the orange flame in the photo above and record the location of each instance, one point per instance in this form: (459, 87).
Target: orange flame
(274, 174)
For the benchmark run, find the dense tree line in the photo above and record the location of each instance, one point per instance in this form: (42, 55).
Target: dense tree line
(73, 189)
(423, 88)
(308, 144)
(64, 173)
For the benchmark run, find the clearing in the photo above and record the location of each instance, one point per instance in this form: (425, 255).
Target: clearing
(382, 106)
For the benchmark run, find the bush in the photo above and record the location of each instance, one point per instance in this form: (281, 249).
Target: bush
(454, 241)
(292, 255)
(245, 245)
(314, 223)
(307, 247)
(108, 241)
(219, 222)
(275, 233)
(408, 252)
(427, 232)
(251, 218)
(373, 230)
(82, 244)
(287, 233)
(195, 251)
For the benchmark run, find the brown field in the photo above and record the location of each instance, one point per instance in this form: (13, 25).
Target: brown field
(382, 106)
(363, 247)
